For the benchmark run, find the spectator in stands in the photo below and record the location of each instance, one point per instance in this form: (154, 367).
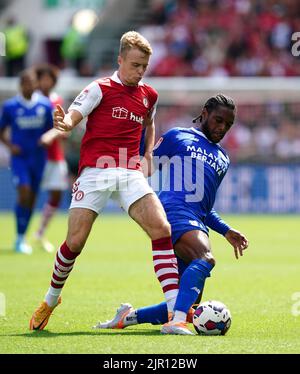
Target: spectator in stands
(218, 37)
(17, 45)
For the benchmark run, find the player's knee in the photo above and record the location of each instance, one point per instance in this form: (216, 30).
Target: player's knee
(75, 244)
(25, 199)
(165, 230)
(208, 257)
(162, 230)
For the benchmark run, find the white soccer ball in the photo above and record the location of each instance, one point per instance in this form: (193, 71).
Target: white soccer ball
(212, 318)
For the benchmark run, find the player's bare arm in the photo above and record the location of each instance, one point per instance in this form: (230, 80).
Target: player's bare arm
(66, 121)
(14, 149)
(147, 162)
(48, 137)
(238, 241)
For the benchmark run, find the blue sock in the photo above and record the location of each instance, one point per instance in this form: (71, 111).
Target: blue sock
(158, 314)
(155, 314)
(22, 217)
(182, 266)
(191, 283)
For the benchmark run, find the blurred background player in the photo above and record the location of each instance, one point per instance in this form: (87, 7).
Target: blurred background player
(55, 179)
(190, 212)
(117, 107)
(28, 116)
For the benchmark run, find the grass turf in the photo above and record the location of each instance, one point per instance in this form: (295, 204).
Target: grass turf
(116, 266)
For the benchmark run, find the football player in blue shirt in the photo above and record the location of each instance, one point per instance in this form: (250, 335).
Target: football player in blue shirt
(196, 165)
(29, 116)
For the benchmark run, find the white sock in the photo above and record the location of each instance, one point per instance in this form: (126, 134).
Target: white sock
(52, 296)
(179, 316)
(131, 319)
(171, 303)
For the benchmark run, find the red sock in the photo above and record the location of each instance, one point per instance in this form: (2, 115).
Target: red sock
(63, 265)
(166, 269)
(64, 262)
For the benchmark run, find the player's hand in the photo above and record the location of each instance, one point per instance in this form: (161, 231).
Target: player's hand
(15, 150)
(147, 164)
(238, 241)
(59, 120)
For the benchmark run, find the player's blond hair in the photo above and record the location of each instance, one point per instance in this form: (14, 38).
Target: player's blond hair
(133, 39)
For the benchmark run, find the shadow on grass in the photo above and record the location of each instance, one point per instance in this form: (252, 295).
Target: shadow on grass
(49, 334)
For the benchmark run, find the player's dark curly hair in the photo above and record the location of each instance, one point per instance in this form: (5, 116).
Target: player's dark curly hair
(213, 102)
(47, 69)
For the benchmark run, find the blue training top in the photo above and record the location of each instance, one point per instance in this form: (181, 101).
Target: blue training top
(28, 120)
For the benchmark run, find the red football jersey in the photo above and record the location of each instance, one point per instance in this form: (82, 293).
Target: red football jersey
(115, 116)
(55, 151)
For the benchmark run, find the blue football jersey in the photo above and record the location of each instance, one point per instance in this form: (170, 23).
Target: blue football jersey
(192, 169)
(28, 120)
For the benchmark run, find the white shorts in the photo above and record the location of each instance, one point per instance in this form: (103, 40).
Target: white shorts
(95, 186)
(55, 176)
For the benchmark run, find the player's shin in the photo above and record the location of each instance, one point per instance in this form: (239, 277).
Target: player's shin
(166, 269)
(154, 314)
(191, 285)
(47, 214)
(64, 262)
(23, 215)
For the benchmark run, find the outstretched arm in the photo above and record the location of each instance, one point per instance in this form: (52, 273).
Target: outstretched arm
(66, 121)
(234, 237)
(48, 137)
(215, 222)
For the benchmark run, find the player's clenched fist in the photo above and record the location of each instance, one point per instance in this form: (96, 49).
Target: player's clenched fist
(61, 120)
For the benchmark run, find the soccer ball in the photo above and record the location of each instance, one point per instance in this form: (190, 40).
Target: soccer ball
(212, 318)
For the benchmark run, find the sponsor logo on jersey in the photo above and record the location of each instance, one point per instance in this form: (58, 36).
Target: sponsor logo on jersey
(135, 118)
(123, 113)
(218, 162)
(120, 113)
(40, 111)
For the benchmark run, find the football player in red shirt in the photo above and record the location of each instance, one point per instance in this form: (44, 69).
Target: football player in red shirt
(116, 108)
(55, 179)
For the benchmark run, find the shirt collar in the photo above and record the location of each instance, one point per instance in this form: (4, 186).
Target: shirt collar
(115, 78)
(200, 133)
(29, 103)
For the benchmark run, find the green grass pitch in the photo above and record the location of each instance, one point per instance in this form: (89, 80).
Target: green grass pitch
(116, 266)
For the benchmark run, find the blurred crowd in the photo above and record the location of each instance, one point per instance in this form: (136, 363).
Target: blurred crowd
(206, 38)
(189, 38)
(223, 37)
(268, 133)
